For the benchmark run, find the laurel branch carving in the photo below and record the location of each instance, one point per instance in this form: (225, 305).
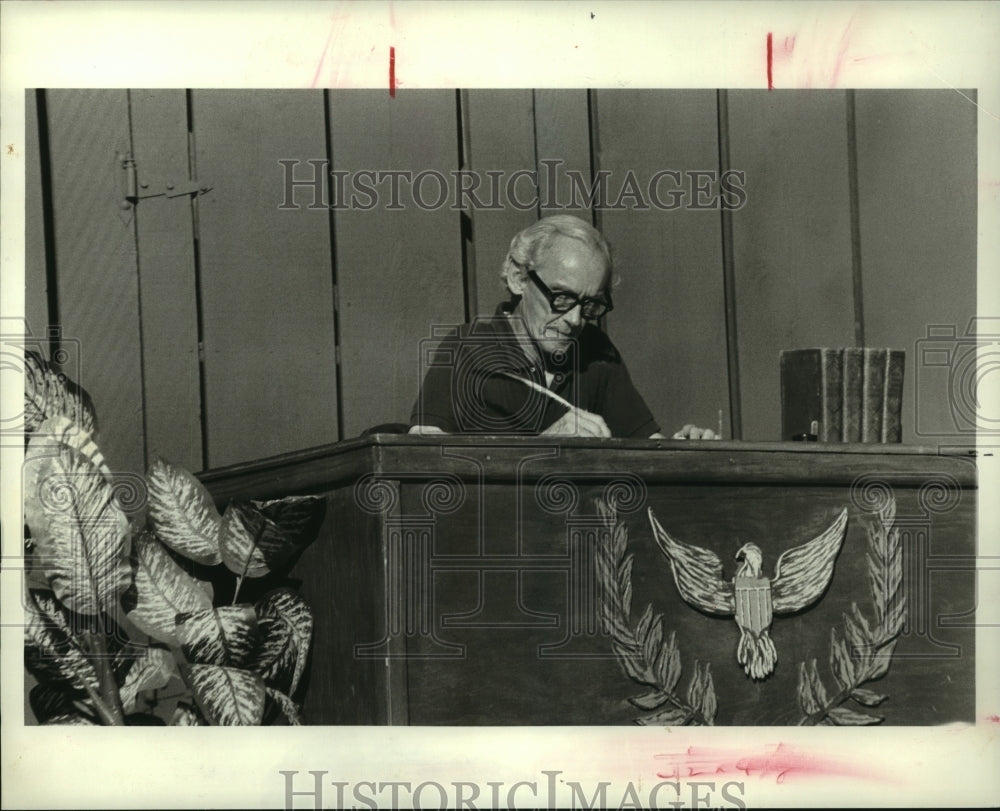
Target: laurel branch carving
(862, 651)
(643, 653)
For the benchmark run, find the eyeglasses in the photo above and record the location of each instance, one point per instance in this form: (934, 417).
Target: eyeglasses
(561, 301)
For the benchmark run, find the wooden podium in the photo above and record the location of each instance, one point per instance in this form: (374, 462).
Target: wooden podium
(453, 581)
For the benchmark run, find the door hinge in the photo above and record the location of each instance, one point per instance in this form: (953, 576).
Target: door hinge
(135, 190)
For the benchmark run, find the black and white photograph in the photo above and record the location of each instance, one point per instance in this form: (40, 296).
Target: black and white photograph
(587, 423)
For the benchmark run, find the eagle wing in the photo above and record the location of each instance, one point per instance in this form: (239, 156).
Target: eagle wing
(697, 573)
(802, 573)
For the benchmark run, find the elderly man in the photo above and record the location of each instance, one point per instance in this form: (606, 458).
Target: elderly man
(540, 365)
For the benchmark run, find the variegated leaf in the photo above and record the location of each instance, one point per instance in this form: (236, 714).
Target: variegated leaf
(48, 393)
(186, 715)
(648, 701)
(48, 701)
(183, 514)
(150, 671)
(288, 707)
(162, 591)
(218, 636)
(227, 696)
(80, 533)
(286, 625)
(59, 430)
(673, 716)
(254, 543)
(70, 718)
(849, 718)
(249, 540)
(293, 515)
(51, 652)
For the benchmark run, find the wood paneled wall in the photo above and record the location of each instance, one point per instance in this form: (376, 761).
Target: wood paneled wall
(223, 326)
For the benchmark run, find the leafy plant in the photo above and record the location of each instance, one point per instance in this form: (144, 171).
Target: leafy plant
(862, 652)
(641, 650)
(119, 606)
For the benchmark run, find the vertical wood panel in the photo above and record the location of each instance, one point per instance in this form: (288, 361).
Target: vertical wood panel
(36, 312)
(791, 241)
(562, 132)
(917, 199)
(95, 252)
(168, 296)
(267, 292)
(500, 138)
(399, 270)
(669, 317)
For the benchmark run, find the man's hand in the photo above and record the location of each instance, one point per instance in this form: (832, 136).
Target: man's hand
(694, 432)
(577, 422)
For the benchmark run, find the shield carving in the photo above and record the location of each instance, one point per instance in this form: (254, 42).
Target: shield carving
(753, 603)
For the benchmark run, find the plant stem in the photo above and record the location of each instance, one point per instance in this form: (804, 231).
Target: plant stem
(105, 714)
(111, 700)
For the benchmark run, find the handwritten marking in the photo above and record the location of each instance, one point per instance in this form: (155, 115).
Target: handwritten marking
(770, 57)
(993, 718)
(392, 71)
(778, 761)
(10, 149)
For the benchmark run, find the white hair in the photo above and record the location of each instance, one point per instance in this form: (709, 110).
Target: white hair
(529, 244)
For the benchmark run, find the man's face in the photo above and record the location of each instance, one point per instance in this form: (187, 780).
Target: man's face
(566, 266)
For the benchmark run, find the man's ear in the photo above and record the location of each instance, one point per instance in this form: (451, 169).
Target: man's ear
(517, 279)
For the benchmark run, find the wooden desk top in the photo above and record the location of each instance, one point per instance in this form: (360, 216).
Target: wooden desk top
(327, 467)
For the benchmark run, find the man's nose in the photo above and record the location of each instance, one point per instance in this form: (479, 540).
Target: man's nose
(574, 317)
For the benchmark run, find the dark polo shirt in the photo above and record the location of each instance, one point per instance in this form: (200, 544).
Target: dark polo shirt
(466, 391)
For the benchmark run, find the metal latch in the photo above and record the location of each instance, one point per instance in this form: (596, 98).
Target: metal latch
(136, 191)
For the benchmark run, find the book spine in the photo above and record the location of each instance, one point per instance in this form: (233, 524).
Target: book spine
(873, 389)
(831, 427)
(800, 390)
(892, 398)
(852, 388)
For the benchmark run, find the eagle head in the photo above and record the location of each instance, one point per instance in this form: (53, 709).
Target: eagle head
(751, 557)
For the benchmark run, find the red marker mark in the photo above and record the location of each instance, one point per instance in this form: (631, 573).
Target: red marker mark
(770, 57)
(781, 762)
(993, 718)
(392, 71)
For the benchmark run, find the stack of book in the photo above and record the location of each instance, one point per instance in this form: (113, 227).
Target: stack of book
(842, 395)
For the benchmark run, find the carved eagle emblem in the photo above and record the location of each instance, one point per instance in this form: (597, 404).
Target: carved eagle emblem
(801, 575)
